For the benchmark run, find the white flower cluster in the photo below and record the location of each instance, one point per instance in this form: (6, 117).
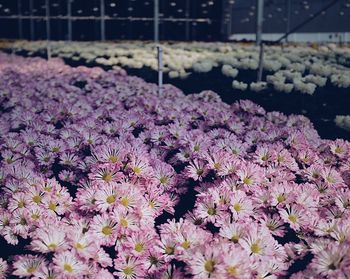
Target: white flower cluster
(258, 86)
(343, 121)
(229, 71)
(240, 85)
(301, 68)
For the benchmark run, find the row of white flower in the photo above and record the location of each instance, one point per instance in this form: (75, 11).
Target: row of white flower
(300, 68)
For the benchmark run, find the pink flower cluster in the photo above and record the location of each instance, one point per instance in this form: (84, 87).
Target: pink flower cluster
(93, 162)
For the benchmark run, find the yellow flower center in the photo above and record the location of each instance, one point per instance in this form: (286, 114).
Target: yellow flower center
(125, 201)
(36, 199)
(136, 170)
(163, 180)
(21, 204)
(107, 177)
(52, 206)
(338, 150)
(107, 230)
(79, 246)
(31, 269)
(281, 198)
(247, 181)
(52, 246)
(47, 188)
(237, 207)
(235, 238)
(67, 267)
(232, 270)
(138, 247)
(200, 172)
(35, 216)
(280, 158)
(255, 248)
(124, 222)
(330, 179)
(111, 199)
(152, 204)
(186, 244)
(113, 159)
(23, 221)
(209, 266)
(128, 270)
(211, 211)
(264, 158)
(293, 218)
(196, 147)
(217, 166)
(169, 250)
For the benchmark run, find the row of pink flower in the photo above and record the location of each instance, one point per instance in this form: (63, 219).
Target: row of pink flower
(91, 159)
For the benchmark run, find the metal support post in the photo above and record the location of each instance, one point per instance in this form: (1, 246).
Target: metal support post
(160, 69)
(261, 62)
(103, 29)
(259, 21)
(156, 21)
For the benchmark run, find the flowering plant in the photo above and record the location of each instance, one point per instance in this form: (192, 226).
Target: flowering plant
(103, 177)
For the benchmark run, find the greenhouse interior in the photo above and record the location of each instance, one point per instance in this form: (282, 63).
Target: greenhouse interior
(175, 139)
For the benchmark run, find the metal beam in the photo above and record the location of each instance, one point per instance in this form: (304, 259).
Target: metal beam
(200, 20)
(156, 21)
(259, 21)
(102, 22)
(311, 18)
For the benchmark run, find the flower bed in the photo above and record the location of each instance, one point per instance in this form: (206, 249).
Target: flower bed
(230, 70)
(298, 68)
(101, 176)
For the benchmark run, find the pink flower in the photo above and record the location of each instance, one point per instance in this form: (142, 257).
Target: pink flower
(196, 169)
(295, 215)
(332, 262)
(3, 268)
(275, 224)
(106, 197)
(104, 228)
(233, 231)
(27, 265)
(257, 241)
(129, 268)
(50, 239)
(241, 205)
(206, 263)
(68, 265)
(235, 262)
(282, 193)
(250, 174)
